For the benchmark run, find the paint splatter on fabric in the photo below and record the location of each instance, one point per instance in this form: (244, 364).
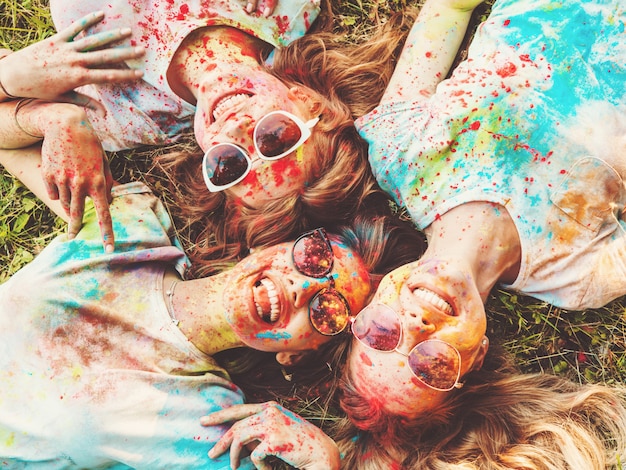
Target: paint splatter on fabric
(532, 120)
(148, 112)
(92, 370)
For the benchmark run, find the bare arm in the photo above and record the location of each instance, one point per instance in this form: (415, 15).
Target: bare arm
(430, 49)
(25, 164)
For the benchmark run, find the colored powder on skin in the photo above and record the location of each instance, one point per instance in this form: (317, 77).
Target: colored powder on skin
(366, 359)
(273, 335)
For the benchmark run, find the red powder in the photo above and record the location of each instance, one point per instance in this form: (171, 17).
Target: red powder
(366, 359)
(507, 70)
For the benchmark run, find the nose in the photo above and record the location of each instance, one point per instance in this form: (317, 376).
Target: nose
(239, 131)
(303, 288)
(416, 327)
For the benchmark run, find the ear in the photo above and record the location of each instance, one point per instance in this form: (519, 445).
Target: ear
(311, 99)
(482, 352)
(289, 358)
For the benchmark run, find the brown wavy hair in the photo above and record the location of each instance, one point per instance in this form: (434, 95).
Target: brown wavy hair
(501, 419)
(347, 81)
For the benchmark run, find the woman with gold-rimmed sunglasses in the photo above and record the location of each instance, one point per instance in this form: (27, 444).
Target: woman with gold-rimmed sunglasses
(108, 358)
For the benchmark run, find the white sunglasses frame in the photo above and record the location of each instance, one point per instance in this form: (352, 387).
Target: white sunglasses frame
(305, 129)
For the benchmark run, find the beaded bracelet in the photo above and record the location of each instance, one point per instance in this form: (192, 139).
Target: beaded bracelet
(20, 104)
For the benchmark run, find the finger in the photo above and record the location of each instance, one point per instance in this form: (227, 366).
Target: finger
(51, 189)
(233, 413)
(113, 55)
(251, 6)
(108, 177)
(238, 444)
(101, 38)
(101, 203)
(259, 454)
(222, 445)
(65, 197)
(77, 209)
(68, 34)
(270, 5)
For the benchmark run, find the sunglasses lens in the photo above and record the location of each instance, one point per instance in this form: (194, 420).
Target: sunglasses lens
(378, 327)
(225, 163)
(276, 134)
(329, 312)
(435, 363)
(312, 255)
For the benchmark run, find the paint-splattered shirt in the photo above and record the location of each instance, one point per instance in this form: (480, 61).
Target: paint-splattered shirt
(148, 112)
(92, 370)
(527, 121)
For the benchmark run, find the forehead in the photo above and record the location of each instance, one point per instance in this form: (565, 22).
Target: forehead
(383, 379)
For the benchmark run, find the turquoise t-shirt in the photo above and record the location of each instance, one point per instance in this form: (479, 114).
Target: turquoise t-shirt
(93, 372)
(528, 121)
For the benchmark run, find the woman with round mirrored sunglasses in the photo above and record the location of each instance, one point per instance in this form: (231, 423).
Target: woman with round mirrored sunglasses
(433, 362)
(276, 135)
(313, 256)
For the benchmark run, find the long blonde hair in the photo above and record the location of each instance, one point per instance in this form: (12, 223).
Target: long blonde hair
(501, 419)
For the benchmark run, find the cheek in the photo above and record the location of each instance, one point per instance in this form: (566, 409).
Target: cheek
(285, 174)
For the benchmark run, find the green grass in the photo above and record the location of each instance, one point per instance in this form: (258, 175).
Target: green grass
(585, 346)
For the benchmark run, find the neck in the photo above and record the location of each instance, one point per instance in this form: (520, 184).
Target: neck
(206, 49)
(197, 306)
(481, 238)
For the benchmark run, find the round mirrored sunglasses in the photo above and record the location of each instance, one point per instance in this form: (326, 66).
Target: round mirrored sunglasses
(433, 362)
(276, 135)
(313, 256)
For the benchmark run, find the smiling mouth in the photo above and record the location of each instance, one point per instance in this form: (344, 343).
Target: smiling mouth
(434, 299)
(266, 300)
(228, 102)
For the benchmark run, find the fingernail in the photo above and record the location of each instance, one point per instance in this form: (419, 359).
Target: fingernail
(211, 453)
(266, 12)
(108, 248)
(125, 31)
(249, 7)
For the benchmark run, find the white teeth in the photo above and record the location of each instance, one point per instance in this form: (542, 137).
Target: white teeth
(434, 299)
(228, 102)
(272, 295)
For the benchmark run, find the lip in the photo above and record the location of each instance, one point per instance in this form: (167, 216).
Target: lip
(224, 97)
(446, 298)
(282, 303)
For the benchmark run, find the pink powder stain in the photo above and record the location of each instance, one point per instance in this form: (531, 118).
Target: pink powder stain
(282, 22)
(507, 70)
(183, 12)
(365, 359)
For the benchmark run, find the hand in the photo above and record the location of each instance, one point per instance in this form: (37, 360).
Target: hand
(51, 68)
(74, 166)
(265, 7)
(278, 432)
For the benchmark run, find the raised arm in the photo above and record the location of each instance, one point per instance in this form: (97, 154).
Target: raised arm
(430, 49)
(52, 68)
